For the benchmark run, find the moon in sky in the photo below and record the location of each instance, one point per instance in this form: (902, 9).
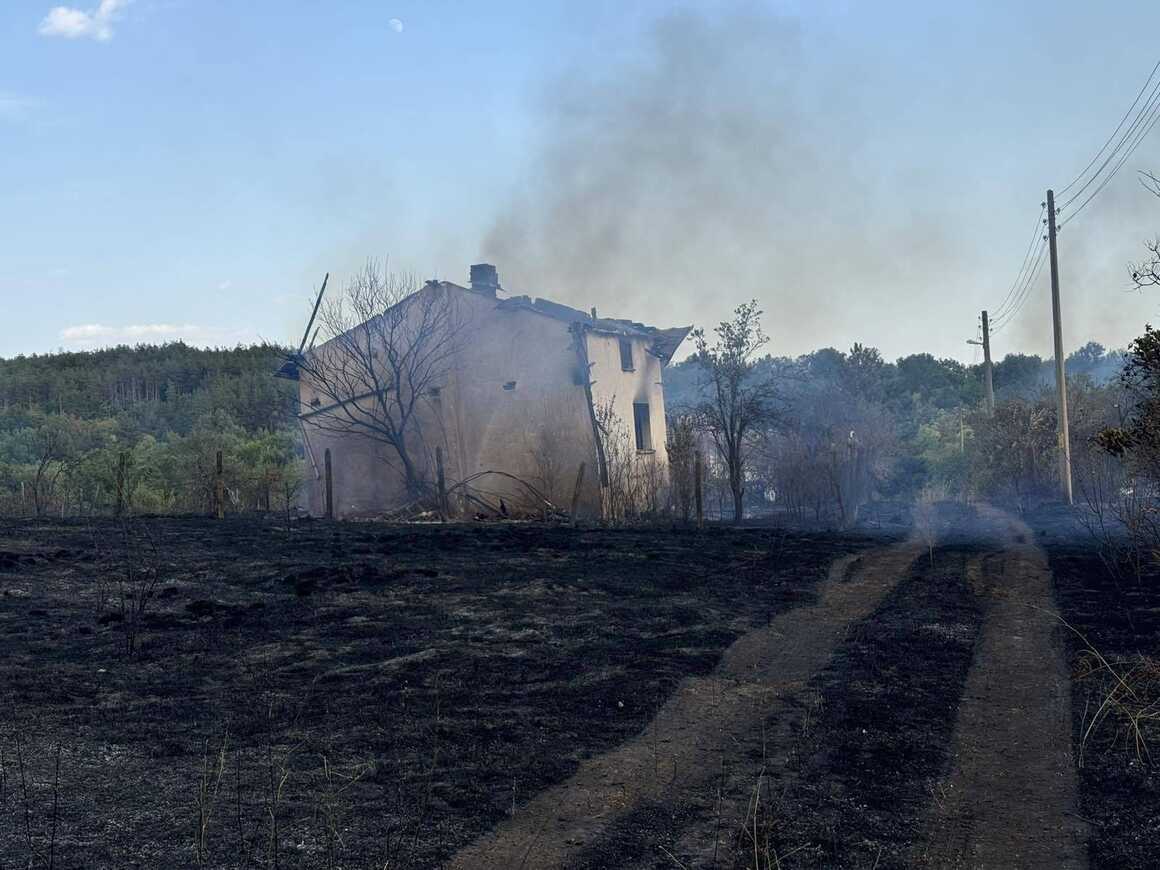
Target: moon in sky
(396, 25)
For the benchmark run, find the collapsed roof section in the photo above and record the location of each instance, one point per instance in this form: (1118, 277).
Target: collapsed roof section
(663, 343)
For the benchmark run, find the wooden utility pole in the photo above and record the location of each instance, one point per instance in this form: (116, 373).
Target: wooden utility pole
(988, 382)
(328, 474)
(1060, 373)
(697, 490)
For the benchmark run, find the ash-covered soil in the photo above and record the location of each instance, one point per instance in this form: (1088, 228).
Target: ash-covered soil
(180, 691)
(1118, 614)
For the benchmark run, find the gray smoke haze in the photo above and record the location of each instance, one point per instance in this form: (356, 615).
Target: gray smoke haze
(710, 172)
(728, 162)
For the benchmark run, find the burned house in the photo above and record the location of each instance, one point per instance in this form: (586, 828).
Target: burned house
(510, 396)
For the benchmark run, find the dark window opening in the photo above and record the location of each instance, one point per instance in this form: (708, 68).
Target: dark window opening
(626, 355)
(640, 419)
(509, 386)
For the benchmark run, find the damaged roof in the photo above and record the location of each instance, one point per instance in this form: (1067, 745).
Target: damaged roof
(664, 342)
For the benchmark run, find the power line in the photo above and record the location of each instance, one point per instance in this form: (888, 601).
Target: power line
(1036, 233)
(1143, 134)
(1144, 110)
(1091, 162)
(1021, 292)
(1024, 291)
(1138, 129)
(1147, 115)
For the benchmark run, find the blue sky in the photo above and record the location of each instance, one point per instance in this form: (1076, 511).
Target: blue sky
(869, 171)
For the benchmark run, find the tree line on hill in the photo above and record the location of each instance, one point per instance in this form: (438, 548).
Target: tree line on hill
(82, 432)
(140, 427)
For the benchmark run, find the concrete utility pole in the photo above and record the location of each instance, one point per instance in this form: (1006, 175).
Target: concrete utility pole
(988, 382)
(1060, 374)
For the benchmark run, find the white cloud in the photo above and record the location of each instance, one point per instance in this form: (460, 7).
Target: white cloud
(72, 23)
(225, 285)
(396, 25)
(89, 335)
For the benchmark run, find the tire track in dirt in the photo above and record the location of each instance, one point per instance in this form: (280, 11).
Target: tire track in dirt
(761, 675)
(1010, 798)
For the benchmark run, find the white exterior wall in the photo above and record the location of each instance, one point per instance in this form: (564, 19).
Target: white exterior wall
(611, 383)
(539, 431)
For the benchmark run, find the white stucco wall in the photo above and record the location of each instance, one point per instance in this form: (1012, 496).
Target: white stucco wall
(539, 430)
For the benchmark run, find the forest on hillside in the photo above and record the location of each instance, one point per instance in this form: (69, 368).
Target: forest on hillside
(153, 417)
(72, 424)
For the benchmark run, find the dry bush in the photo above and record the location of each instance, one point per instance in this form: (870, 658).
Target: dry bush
(1126, 693)
(636, 480)
(681, 447)
(925, 518)
(1126, 697)
(128, 575)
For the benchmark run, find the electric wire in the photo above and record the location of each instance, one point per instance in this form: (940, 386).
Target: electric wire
(1141, 136)
(1132, 133)
(1022, 288)
(1035, 234)
(1119, 126)
(1025, 290)
(1147, 115)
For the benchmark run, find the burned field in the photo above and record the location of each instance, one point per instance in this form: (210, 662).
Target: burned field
(1116, 614)
(186, 692)
(180, 691)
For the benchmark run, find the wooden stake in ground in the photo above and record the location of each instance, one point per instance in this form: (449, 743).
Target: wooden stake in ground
(329, 484)
(576, 492)
(697, 489)
(122, 460)
(441, 480)
(219, 490)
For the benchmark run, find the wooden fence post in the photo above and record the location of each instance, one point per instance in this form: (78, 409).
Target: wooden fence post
(219, 490)
(329, 477)
(441, 481)
(122, 460)
(576, 492)
(697, 490)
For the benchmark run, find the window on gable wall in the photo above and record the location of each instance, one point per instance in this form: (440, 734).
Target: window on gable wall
(641, 424)
(626, 355)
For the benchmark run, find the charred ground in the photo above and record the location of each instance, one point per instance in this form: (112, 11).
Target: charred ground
(383, 696)
(441, 675)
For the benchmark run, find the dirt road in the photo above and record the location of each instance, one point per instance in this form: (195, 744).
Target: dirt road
(1002, 790)
(682, 749)
(1010, 798)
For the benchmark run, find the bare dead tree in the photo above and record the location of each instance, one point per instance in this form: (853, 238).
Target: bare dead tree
(740, 401)
(391, 347)
(1147, 272)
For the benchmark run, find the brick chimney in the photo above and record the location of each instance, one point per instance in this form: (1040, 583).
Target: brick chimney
(484, 279)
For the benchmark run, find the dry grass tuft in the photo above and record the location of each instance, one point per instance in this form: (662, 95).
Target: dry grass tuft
(1126, 699)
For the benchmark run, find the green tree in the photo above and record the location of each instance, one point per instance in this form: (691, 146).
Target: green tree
(739, 403)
